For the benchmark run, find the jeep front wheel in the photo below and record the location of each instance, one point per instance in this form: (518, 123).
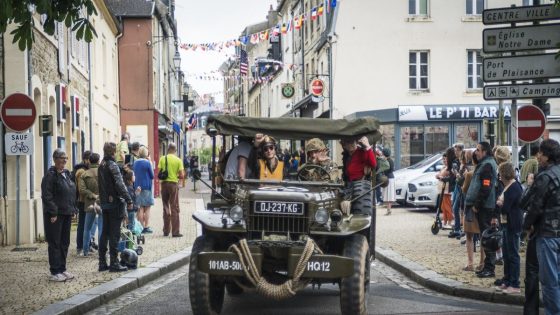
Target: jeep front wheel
(354, 289)
(206, 293)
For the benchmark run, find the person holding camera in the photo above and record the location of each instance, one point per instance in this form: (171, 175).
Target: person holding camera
(171, 170)
(357, 158)
(114, 200)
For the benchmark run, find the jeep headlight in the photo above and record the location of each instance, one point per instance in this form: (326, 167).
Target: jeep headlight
(321, 216)
(236, 213)
(428, 183)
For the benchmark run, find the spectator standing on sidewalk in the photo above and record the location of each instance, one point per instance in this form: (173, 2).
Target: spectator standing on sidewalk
(446, 176)
(89, 192)
(511, 220)
(144, 177)
(134, 154)
(133, 193)
(457, 195)
(122, 149)
(170, 190)
(544, 215)
(58, 194)
(532, 299)
(482, 197)
(389, 191)
(531, 166)
(78, 170)
(470, 222)
(114, 200)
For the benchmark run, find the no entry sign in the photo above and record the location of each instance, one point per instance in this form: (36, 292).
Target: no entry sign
(531, 123)
(18, 112)
(317, 87)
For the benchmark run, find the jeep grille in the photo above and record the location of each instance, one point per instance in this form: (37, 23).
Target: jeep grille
(278, 223)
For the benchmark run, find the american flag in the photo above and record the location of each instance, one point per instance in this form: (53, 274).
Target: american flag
(243, 62)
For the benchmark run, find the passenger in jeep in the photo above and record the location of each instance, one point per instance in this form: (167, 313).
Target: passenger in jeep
(357, 158)
(270, 167)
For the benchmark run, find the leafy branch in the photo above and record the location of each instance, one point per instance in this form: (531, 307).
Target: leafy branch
(73, 13)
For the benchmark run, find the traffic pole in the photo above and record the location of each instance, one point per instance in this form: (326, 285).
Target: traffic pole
(17, 201)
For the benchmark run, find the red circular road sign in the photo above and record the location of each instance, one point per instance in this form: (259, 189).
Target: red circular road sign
(18, 112)
(317, 87)
(531, 123)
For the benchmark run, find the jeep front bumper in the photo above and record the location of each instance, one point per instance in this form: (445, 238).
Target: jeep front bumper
(318, 266)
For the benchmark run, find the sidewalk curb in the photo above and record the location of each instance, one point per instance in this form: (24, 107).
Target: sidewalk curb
(90, 299)
(437, 282)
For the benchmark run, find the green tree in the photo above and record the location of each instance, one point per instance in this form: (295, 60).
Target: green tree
(74, 13)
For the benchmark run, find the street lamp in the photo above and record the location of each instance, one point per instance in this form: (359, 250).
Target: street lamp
(177, 61)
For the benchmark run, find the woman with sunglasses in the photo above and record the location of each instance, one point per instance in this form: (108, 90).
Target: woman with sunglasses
(270, 167)
(58, 193)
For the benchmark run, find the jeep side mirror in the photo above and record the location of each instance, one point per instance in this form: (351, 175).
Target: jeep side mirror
(196, 174)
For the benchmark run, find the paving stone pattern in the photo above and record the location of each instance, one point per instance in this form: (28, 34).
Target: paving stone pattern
(24, 285)
(407, 232)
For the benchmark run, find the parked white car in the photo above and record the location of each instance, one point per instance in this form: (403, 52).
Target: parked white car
(404, 176)
(423, 190)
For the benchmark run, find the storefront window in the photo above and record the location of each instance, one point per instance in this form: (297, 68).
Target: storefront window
(466, 134)
(388, 137)
(412, 145)
(437, 139)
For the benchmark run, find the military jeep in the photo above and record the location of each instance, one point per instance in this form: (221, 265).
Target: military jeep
(277, 237)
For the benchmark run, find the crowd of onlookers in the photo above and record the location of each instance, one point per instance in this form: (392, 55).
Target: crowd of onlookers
(486, 199)
(106, 195)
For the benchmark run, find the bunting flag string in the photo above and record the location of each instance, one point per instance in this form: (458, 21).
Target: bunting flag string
(283, 28)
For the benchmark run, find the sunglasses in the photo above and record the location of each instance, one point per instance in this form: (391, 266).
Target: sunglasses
(268, 148)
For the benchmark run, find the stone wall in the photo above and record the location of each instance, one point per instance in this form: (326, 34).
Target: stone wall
(45, 61)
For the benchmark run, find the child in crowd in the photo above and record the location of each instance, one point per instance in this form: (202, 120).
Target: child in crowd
(129, 182)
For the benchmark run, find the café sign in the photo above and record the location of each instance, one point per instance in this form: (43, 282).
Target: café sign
(449, 112)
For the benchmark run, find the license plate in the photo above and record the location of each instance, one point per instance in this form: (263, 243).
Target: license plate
(275, 207)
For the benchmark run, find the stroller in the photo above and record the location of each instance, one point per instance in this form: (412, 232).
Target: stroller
(131, 240)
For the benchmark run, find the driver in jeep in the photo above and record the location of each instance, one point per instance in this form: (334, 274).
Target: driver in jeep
(319, 166)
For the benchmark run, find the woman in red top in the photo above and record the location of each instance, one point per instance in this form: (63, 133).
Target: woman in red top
(357, 158)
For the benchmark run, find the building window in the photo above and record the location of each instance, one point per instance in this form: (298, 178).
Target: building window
(475, 7)
(527, 2)
(418, 70)
(474, 69)
(418, 7)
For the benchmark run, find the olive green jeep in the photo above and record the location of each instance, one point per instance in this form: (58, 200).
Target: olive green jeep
(277, 237)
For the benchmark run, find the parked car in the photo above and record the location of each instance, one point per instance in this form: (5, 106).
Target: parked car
(404, 176)
(423, 190)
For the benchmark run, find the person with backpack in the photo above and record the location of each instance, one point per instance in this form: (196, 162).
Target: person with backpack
(78, 170)
(382, 166)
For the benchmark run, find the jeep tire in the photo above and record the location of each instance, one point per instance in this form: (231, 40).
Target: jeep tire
(206, 293)
(363, 205)
(354, 288)
(233, 289)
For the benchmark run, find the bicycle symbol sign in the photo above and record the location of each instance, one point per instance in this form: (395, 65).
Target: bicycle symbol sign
(18, 143)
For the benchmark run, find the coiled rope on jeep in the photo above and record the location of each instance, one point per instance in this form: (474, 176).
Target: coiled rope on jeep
(274, 291)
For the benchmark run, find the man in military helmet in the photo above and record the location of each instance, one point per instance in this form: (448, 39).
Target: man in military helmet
(317, 154)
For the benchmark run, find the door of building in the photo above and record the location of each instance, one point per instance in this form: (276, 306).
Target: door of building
(420, 141)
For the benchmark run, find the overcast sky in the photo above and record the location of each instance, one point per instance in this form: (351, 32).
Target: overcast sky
(213, 21)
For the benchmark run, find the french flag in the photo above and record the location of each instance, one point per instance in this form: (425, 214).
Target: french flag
(192, 122)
